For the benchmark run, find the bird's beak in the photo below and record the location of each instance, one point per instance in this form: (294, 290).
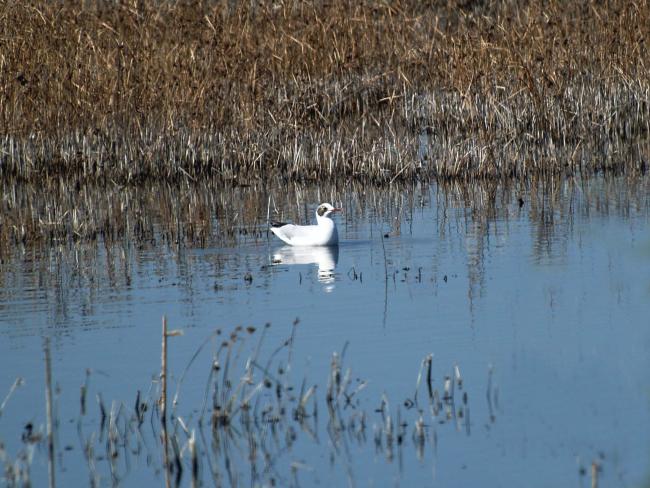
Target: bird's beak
(337, 210)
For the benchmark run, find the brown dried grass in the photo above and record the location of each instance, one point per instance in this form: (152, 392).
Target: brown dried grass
(137, 90)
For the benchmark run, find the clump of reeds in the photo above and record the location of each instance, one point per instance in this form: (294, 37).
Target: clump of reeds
(241, 91)
(255, 408)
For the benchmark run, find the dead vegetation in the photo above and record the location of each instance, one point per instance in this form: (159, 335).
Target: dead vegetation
(253, 425)
(138, 90)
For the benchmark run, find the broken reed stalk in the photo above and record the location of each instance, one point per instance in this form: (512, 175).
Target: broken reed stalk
(429, 380)
(49, 415)
(83, 392)
(595, 468)
(195, 483)
(17, 382)
(163, 401)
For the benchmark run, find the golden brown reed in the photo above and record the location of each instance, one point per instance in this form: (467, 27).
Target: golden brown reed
(135, 90)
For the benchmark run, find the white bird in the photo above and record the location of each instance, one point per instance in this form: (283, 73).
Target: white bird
(324, 233)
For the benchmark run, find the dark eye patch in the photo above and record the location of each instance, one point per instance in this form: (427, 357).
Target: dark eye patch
(321, 210)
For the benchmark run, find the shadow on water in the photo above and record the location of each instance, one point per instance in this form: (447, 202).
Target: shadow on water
(537, 291)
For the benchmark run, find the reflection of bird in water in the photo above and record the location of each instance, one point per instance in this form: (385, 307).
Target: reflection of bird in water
(325, 257)
(324, 233)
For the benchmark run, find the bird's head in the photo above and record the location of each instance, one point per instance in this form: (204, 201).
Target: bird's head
(326, 210)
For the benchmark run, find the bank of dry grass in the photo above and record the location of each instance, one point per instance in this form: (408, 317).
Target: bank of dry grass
(144, 89)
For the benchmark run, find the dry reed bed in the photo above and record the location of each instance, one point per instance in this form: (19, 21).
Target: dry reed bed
(131, 91)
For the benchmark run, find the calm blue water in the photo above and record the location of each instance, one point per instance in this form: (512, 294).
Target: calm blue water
(551, 294)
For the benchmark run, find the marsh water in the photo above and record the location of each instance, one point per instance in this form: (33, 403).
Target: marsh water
(537, 294)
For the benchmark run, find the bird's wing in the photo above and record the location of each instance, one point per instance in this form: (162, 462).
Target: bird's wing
(289, 233)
